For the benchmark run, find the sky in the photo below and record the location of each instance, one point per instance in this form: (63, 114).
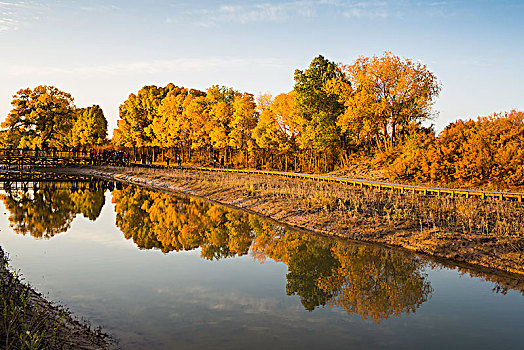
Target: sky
(101, 51)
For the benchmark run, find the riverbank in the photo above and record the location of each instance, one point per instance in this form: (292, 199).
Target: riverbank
(29, 321)
(487, 233)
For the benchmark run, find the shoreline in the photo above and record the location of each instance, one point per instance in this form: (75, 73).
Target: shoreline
(492, 254)
(34, 320)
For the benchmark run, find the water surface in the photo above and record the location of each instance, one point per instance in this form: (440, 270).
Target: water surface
(161, 271)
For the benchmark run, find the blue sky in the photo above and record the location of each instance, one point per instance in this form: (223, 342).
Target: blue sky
(101, 51)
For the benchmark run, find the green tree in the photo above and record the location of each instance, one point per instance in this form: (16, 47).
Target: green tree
(309, 263)
(317, 104)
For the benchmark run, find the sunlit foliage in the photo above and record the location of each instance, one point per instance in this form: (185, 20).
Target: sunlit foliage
(46, 116)
(387, 98)
(90, 127)
(43, 115)
(488, 150)
(332, 111)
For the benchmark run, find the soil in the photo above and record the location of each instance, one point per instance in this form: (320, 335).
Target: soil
(494, 254)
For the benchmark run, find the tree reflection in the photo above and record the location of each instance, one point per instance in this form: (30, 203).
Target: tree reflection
(365, 280)
(370, 281)
(376, 283)
(47, 209)
(170, 223)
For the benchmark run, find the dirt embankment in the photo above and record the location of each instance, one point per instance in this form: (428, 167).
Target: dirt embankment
(485, 233)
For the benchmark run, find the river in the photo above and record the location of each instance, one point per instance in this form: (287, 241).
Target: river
(165, 271)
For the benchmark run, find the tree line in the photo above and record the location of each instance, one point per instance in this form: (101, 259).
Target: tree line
(368, 281)
(47, 211)
(332, 112)
(375, 109)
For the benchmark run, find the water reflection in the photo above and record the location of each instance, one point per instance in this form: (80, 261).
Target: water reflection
(45, 209)
(366, 280)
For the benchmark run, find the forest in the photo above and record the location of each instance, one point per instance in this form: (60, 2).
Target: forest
(376, 110)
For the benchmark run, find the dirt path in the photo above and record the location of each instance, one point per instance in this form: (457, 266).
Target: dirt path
(484, 233)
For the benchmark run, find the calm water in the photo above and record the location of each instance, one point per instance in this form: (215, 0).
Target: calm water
(160, 271)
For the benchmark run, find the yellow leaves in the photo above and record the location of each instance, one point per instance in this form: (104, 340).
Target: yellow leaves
(244, 119)
(44, 114)
(90, 127)
(47, 212)
(388, 93)
(278, 124)
(264, 102)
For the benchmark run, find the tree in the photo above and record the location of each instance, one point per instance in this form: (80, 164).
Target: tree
(374, 282)
(388, 95)
(243, 121)
(308, 264)
(90, 127)
(169, 125)
(317, 104)
(42, 115)
(137, 114)
(46, 211)
(277, 128)
(220, 100)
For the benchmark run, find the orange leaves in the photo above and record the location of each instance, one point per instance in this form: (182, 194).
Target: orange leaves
(486, 151)
(388, 94)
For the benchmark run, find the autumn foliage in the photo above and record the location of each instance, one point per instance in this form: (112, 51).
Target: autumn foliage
(337, 115)
(48, 116)
(368, 281)
(333, 111)
(486, 151)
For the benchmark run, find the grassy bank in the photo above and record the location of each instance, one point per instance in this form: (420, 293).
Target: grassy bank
(29, 321)
(487, 233)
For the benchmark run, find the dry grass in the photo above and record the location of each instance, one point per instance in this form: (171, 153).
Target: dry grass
(488, 217)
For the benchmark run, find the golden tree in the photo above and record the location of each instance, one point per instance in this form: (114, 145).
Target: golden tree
(278, 126)
(43, 115)
(387, 95)
(243, 121)
(90, 127)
